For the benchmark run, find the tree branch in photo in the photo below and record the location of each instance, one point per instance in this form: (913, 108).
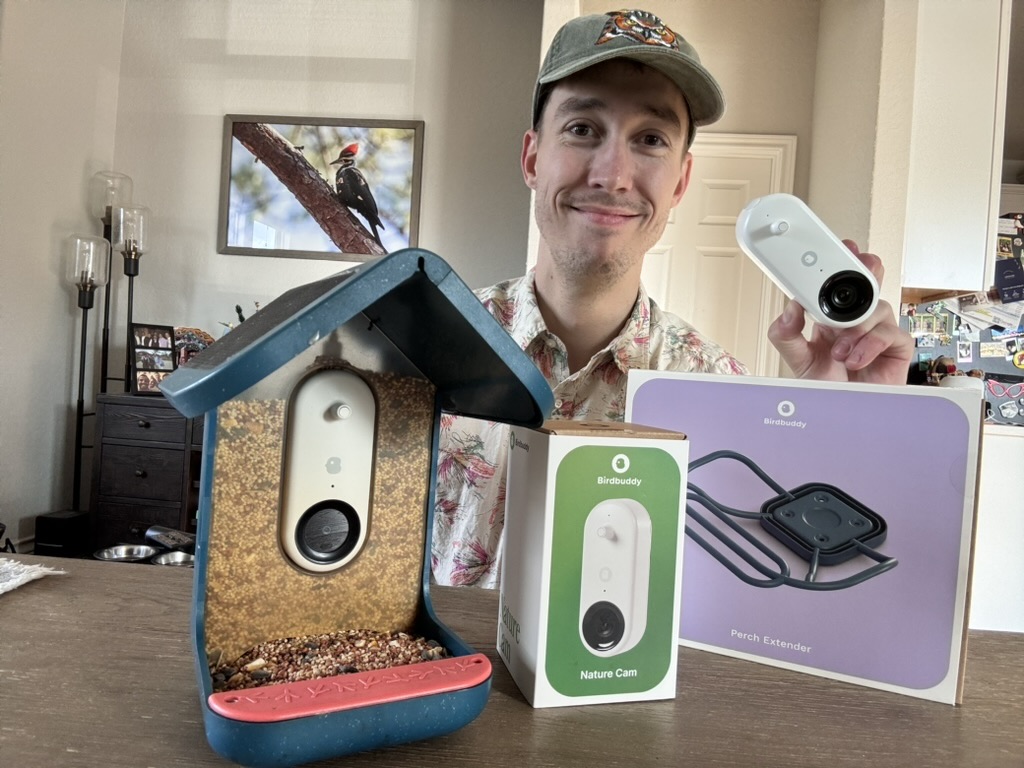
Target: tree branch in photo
(309, 187)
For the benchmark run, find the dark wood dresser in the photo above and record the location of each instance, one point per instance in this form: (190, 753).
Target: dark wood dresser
(145, 468)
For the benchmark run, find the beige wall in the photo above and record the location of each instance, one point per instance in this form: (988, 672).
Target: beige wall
(763, 54)
(406, 59)
(78, 99)
(1014, 150)
(58, 75)
(183, 64)
(845, 115)
(892, 140)
(813, 69)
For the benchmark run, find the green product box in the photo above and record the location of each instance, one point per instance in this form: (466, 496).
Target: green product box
(589, 602)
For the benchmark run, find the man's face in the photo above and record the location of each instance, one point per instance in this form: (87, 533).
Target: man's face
(608, 162)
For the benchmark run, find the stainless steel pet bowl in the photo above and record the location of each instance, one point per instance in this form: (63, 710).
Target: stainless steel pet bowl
(181, 559)
(126, 553)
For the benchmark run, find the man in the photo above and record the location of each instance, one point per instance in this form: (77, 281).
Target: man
(616, 104)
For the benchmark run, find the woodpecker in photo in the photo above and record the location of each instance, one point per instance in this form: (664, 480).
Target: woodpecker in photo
(352, 190)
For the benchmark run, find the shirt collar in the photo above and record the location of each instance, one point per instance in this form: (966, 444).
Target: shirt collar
(629, 349)
(632, 347)
(527, 321)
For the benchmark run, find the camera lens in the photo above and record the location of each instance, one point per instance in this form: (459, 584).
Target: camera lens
(846, 296)
(603, 626)
(327, 531)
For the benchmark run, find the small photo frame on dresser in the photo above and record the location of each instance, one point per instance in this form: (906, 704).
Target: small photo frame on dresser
(153, 357)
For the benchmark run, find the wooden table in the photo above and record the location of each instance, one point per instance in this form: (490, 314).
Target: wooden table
(96, 669)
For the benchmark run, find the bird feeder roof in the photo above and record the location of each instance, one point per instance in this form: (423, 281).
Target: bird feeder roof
(417, 302)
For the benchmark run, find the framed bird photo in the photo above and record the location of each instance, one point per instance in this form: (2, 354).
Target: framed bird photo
(319, 188)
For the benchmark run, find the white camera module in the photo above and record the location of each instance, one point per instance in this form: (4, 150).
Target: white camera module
(615, 578)
(806, 260)
(328, 470)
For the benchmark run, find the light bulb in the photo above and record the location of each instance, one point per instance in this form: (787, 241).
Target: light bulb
(108, 190)
(85, 261)
(130, 231)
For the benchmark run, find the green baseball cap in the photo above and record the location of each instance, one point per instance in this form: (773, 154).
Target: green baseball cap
(638, 35)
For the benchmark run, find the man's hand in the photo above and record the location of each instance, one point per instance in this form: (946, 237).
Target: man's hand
(876, 351)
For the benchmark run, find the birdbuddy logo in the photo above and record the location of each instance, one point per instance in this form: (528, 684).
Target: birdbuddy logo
(786, 409)
(620, 465)
(514, 442)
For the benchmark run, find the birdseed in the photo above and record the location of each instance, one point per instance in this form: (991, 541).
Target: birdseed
(314, 656)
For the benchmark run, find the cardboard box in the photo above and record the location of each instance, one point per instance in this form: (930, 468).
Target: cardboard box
(1009, 279)
(590, 573)
(856, 503)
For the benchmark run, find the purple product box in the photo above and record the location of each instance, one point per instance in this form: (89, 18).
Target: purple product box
(829, 526)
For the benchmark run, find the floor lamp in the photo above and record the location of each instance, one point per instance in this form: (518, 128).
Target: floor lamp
(87, 264)
(129, 236)
(108, 191)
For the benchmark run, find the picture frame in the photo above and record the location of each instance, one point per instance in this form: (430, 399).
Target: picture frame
(319, 188)
(153, 357)
(189, 342)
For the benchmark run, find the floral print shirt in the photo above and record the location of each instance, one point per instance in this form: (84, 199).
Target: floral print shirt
(470, 501)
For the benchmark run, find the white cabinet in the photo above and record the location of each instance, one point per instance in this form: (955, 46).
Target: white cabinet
(956, 140)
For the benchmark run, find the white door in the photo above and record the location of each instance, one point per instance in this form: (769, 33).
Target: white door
(697, 270)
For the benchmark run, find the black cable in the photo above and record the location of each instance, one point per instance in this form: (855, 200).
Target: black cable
(725, 454)
(774, 578)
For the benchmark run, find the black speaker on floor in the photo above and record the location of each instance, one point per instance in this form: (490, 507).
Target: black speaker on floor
(6, 545)
(63, 534)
